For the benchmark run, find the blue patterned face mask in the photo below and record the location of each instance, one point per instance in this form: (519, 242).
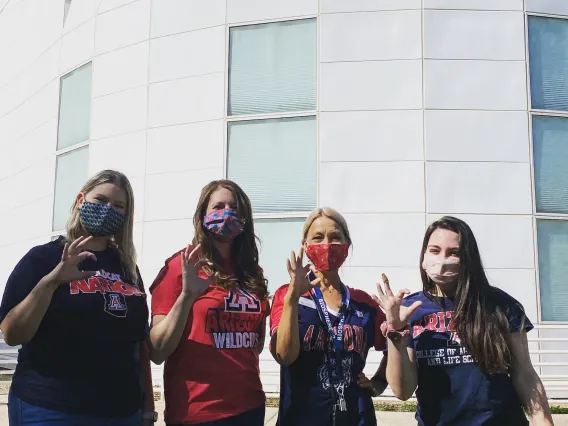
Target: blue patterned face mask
(100, 220)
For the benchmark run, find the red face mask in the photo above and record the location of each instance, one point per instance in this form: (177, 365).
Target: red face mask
(327, 257)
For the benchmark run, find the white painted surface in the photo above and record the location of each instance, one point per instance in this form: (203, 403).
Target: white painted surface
(433, 122)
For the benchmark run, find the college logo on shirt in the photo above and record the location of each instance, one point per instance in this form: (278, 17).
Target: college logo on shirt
(111, 287)
(237, 325)
(354, 339)
(454, 339)
(241, 301)
(115, 304)
(451, 353)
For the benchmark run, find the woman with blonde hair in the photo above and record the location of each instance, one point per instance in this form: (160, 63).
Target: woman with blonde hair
(77, 306)
(209, 306)
(322, 331)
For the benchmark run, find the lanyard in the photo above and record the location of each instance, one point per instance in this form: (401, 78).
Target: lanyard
(337, 341)
(336, 337)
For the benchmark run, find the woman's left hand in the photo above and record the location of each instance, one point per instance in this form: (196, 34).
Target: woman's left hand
(365, 383)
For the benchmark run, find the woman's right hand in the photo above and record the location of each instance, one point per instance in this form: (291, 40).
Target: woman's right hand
(67, 269)
(365, 383)
(397, 314)
(299, 282)
(193, 285)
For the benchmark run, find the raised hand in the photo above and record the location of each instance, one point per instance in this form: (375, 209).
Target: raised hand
(193, 285)
(299, 282)
(67, 270)
(397, 315)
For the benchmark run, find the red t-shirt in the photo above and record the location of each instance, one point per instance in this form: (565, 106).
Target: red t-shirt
(214, 372)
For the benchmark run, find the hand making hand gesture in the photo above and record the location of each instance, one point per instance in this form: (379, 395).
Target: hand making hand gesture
(299, 282)
(397, 315)
(193, 285)
(67, 269)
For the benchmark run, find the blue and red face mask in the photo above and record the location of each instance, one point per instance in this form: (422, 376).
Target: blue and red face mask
(224, 224)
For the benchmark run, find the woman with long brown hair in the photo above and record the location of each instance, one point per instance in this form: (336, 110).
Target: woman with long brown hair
(209, 309)
(77, 306)
(460, 342)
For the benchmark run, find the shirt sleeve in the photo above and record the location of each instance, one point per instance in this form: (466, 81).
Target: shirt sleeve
(267, 309)
(380, 340)
(515, 312)
(167, 287)
(409, 339)
(277, 307)
(139, 281)
(140, 285)
(25, 276)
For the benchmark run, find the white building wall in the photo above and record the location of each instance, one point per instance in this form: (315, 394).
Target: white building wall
(422, 111)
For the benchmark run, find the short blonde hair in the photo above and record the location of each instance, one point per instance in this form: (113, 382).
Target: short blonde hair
(123, 240)
(330, 213)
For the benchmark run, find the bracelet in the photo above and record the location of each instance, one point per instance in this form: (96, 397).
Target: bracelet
(393, 334)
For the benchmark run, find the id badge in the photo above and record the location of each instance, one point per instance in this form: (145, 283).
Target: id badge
(339, 416)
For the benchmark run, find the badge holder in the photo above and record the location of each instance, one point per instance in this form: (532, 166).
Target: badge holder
(339, 411)
(337, 396)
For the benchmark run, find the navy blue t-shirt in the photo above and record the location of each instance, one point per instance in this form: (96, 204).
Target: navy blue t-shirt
(452, 389)
(84, 357)
(305, 394)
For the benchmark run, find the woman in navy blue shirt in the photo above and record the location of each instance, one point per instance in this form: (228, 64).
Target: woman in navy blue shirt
(77, 306)
(321, 333)
(461, 343)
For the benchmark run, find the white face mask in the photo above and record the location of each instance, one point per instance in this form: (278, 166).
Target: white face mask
(440, 270)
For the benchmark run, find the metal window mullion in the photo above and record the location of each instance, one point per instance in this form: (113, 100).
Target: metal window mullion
(547, 15)
(270, 21)
(282, 215)
(551, 216)
(271, 116)
(549, 113)
(72, 148)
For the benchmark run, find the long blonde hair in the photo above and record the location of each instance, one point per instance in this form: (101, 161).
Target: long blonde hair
(330, 213)
(122, 241)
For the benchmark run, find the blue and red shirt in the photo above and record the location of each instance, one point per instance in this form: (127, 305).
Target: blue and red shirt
(452, 389)
(305, 394)
(84, 357)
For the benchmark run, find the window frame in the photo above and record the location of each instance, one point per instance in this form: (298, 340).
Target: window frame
(292, 114)
(268, 116)
(58, 152)
(536, 215)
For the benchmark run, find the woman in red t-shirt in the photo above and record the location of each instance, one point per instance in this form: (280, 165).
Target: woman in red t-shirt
(209, 309)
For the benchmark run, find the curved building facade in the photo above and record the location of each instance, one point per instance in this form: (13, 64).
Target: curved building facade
(395, 112)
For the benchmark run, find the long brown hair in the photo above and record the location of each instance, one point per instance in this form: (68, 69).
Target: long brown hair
(122, 241)
(244, 250)
(480, 318)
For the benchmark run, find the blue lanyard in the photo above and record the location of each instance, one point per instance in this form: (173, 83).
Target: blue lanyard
(336, 337)
(337, 341)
